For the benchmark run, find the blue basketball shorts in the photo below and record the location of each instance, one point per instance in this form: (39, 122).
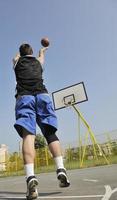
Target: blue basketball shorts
(31, 110)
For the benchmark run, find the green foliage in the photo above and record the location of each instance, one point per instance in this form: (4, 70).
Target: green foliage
(72, 154)
(114, 147)
(40, 141)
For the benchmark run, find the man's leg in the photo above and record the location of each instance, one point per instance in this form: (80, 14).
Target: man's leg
(56, 151)
(26, 120)
(28, 151)
(47, 121)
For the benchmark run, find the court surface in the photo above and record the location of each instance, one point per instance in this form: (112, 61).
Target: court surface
(98, 183)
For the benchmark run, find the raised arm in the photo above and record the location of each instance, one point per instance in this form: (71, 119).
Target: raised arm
(15, 59)
(41, 56)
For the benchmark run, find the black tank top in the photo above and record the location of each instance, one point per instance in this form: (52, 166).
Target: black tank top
(28, 71)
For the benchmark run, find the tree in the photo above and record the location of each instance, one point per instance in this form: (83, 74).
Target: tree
(39, 141)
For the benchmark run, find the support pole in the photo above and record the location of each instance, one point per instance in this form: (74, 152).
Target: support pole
(92, 137)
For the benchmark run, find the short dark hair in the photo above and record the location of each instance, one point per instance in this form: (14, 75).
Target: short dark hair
(25, 49)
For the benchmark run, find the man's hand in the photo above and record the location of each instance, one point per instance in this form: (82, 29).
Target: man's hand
(16, 58)
(41, 55)
(42, 50)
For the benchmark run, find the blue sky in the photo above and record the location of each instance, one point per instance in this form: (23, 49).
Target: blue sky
(83, 37)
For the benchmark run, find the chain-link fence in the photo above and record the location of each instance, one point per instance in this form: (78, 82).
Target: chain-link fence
(87, 154)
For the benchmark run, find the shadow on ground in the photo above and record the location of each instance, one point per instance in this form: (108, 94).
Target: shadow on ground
(6, 195)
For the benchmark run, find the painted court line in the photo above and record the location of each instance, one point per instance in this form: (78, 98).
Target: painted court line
(90, 180)
(109, 192)
(106, 196)
(72, 197)
(58, 197)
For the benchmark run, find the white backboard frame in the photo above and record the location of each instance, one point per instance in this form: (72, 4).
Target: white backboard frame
(73, 94)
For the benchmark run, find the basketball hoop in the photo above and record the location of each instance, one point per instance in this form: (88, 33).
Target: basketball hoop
(69, 96)
(69, 100)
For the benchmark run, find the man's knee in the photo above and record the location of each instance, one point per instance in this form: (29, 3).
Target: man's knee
(50, 135)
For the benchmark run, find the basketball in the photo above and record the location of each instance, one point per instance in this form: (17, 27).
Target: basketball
(45, 42)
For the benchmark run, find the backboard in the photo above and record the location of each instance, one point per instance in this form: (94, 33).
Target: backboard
(69, 96)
